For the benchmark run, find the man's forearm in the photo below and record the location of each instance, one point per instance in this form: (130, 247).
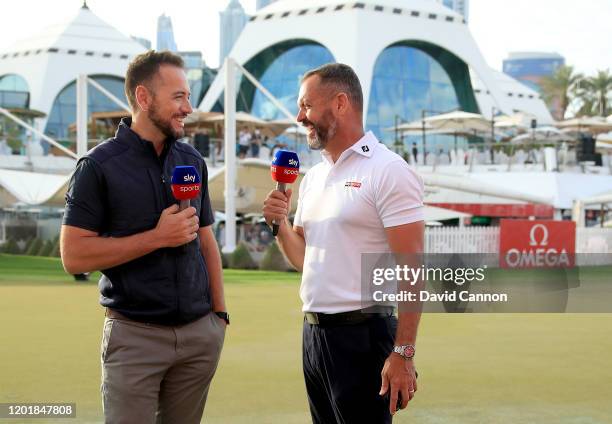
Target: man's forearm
(215, 273)
(408, 323)
(92, 252)
(292, 245)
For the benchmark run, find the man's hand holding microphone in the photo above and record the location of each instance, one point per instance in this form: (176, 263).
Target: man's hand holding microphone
(179, 224)
(285, 170)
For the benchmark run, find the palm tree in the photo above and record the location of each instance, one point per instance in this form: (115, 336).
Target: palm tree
(599, 88)
(557, 88)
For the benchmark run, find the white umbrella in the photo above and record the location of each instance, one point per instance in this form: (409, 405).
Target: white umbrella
(541, 136)
(604, 141)
(605, 137)
(459, 121)
(410, 127)
(519, 120)
(586, 123)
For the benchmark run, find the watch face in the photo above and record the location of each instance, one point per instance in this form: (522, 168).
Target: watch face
(408, 351)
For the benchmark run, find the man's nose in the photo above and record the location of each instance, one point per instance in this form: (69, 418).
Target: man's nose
(187, 108)
(300, 116)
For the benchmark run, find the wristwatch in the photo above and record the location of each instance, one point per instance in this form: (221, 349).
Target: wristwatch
(405, 351)
(224, 316)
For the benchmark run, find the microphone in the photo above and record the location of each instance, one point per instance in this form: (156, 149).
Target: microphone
(285, 170)
(186, 185)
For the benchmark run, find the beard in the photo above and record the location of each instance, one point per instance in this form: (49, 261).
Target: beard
(323, 130)
(164, 124)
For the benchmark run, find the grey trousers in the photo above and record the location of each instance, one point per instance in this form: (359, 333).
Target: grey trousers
(158, 374)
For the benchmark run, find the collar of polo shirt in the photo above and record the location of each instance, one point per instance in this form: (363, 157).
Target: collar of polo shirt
(364, 146)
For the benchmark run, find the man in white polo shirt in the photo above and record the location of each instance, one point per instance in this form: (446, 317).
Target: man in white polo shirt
(362, 198)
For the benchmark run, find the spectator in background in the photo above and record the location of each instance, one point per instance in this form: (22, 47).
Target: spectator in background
(255, 143)
(244, 140)
(415, 152)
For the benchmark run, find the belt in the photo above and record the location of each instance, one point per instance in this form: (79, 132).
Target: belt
(116, 315)
(347, 318)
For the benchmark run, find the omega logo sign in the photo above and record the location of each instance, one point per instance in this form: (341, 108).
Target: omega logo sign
(532, 235)
(529, 244)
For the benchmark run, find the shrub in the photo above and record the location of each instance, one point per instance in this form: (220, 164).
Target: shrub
(241, 258)
(11, 247)
(45, 249)
(273, 259)
(55, 252)
(34, 247)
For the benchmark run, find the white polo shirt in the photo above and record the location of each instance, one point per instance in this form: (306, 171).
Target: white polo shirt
(344, 208)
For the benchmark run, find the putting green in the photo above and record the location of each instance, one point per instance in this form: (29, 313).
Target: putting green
(474, 368)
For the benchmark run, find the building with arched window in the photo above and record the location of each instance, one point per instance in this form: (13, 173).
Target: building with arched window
(412, 57)
(40, 72)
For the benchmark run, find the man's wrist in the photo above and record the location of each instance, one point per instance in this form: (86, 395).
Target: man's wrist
(283, 226)
(152, 239)
(405, 351)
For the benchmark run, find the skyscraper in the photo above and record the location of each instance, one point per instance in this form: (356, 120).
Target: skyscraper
(232, 20)
(263, 3)
(165, 35)
(459, 6)
(530, 67)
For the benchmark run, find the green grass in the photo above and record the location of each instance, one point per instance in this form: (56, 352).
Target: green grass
(474, 368)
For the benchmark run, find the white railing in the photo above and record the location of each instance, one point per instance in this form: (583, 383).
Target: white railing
(593, 245)
(594, 240)
(462, 240)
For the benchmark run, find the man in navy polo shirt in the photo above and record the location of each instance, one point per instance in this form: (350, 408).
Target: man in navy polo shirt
(161, 270)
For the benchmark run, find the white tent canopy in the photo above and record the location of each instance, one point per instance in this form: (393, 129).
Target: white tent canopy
(562, 188)
(31, 188)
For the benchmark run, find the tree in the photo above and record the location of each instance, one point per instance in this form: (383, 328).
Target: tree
(599, 88)
(559, 88)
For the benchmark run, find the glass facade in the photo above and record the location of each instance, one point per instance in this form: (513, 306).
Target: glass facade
(14, 92)
(410, 78)
(530, 71)
(280, 71)
(63, 112)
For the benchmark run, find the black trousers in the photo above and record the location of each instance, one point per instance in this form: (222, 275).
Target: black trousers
(342, 366)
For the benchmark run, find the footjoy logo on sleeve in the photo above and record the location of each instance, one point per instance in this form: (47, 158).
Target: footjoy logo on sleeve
(354, 184)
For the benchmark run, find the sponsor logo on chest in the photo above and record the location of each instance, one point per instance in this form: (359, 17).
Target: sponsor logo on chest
(353, 184)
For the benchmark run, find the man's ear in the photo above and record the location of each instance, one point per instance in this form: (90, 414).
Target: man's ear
(143, 97)
(342, 103)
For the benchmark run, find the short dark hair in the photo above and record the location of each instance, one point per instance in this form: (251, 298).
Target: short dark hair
(342, 78)
(144, 67)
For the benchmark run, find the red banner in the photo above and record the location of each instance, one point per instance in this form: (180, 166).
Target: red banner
(535, 244)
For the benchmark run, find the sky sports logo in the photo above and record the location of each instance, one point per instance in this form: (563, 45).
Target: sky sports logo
(286, 171)
(293, 162)
(189, 178)
(189, 188)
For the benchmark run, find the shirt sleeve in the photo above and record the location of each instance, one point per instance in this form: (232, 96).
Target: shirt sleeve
(85, 204)
(399, 196)
(207, 217)
(297, 220)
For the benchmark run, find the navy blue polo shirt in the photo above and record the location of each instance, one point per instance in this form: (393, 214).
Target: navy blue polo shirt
(120, 188)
